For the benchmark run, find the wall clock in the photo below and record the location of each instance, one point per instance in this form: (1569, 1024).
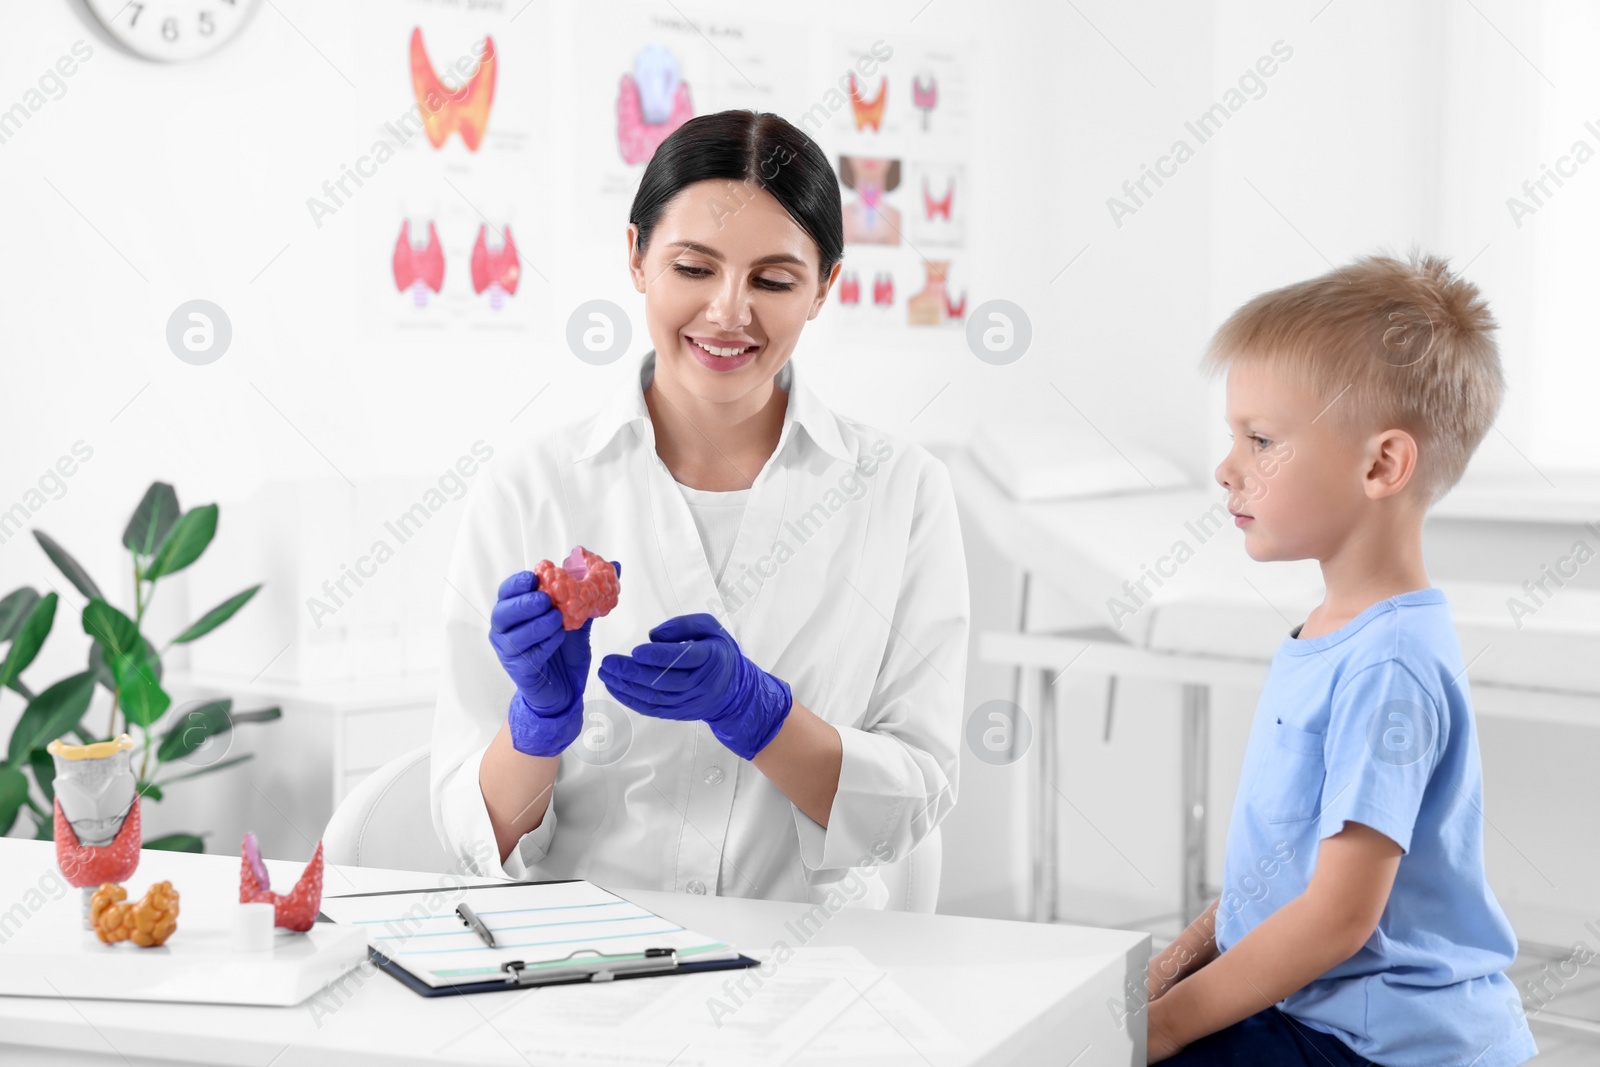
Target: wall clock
(172, 30)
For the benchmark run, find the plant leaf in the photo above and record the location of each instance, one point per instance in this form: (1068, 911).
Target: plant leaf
(217, 766)
(129, 660)
(178, 843)
(149, 789)
(100, 667)
(184, 542)
(143, 699)
(44, 772)
(154, 516)
(216, 616)
(14, 608)
(13, 794)
(196, 727)
(260, 715)
(110, 628)
(49, 715)
(30, 636)
(68, 566)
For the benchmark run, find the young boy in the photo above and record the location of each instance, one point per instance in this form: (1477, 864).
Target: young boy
(1355, 924)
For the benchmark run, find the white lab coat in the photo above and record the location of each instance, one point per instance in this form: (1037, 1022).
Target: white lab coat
(847, 580)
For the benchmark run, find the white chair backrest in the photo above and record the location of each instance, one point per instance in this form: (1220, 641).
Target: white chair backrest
(387, 821)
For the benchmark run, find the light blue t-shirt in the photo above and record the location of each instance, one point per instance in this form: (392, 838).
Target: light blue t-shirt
(1373, 724)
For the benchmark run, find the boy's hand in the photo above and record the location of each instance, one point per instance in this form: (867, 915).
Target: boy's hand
(1159, 1044)
(1191, 950)
(1298, 943)
(1156, 977)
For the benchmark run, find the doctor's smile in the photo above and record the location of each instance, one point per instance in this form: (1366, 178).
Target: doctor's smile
(744, 281)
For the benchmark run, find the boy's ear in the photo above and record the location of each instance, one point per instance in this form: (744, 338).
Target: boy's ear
(1391, 463)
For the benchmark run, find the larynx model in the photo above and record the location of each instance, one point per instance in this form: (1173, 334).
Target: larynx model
(97, 829)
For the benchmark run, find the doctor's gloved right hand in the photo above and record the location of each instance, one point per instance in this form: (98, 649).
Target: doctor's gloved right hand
(549, 665)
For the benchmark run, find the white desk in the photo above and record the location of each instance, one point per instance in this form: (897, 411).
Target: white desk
(1014, 993)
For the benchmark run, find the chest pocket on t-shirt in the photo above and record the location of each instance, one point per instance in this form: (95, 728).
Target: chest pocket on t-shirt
(1288, 787)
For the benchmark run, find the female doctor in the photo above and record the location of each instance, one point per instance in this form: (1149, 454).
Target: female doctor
(780, 685)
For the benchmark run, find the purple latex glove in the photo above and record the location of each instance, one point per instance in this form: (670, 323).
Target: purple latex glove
(693, 669)
(549, 664)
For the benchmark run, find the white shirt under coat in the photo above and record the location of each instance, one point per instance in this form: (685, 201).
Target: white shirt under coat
(847, 580)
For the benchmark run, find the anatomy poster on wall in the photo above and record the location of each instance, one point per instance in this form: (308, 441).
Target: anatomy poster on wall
(448, 185)
(900, 145)
(649, 68)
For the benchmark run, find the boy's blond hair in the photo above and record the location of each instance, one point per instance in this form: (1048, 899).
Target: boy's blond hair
(1385, 344)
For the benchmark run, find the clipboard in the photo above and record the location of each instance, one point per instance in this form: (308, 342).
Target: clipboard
(580, 966)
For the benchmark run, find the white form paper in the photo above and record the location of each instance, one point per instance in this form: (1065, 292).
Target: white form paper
(882, 1027)
(685, 1021)
(716, 1019)
(538, 924)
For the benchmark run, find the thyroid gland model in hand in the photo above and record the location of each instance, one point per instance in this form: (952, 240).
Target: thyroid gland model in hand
(584, 587)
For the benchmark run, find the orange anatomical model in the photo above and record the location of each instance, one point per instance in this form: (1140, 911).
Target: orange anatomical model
(147, 922)
(584, 586)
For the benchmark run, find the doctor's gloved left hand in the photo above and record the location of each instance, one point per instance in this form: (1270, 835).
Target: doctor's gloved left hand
(693, 669)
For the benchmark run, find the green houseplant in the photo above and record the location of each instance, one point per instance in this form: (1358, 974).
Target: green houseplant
(162, 539)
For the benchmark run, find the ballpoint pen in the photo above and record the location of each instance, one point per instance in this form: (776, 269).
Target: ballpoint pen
(470, 918)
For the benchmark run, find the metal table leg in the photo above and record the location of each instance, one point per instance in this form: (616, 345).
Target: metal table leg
(1022, 628)
(1195, 760)
(1045, 863)
(1046, 868)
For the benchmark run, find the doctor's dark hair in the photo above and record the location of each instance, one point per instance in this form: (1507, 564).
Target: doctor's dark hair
(761, 148)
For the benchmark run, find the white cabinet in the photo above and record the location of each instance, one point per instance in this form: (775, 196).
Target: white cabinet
(331, 736)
